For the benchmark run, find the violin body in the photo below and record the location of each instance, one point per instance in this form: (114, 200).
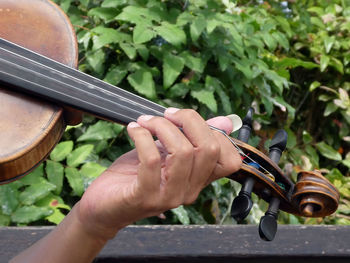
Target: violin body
(30, 128)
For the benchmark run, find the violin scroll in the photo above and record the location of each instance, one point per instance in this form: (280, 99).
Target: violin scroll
(314, 195)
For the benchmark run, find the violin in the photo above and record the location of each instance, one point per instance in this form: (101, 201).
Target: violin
(39, 83)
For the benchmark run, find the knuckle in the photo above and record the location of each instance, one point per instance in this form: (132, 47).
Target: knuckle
(143, 132)
(186, 151)
(213, 149)
(235, 164)
(190, 113)
(152, 160)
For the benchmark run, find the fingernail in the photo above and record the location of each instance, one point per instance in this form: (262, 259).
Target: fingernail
(145, 117)
(133, 125)
(171, 110)
(236, 122)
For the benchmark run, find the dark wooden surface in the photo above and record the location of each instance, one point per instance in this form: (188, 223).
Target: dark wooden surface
(205, 244)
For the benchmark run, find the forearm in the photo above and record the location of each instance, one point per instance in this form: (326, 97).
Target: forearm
(68, 242)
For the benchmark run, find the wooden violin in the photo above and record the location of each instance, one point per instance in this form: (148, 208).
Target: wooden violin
(42, 63)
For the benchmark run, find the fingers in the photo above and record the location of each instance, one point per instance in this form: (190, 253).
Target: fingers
(150, 164)
(195, 155)
(179, 159)
(207, 149)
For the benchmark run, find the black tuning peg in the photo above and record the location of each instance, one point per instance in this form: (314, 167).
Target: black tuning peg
(278, 145)
(244, 132)
(268, 223)
(242, 204)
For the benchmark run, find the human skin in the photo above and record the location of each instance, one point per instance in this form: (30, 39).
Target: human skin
(154, 177)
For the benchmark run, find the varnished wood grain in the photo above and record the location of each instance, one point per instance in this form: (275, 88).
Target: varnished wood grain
(30, 128)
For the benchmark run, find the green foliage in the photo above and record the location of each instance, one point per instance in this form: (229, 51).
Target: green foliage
(289, 60)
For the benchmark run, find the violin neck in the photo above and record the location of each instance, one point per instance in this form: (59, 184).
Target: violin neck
(38, 75)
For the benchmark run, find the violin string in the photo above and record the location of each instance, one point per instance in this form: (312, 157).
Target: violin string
(82, 90)
(240, 151)
(62, 74)
(113, 95)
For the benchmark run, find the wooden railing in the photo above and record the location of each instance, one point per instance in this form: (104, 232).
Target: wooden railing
(180, 244)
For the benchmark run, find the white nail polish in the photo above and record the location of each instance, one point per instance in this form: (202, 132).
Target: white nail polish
(133, 125)
(145, 117)
(236, 121)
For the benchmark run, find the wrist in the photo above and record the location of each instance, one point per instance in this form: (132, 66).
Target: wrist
(93, 230)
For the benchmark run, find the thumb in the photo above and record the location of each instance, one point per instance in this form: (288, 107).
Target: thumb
(229, 123)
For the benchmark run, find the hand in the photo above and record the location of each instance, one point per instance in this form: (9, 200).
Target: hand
(158, 176)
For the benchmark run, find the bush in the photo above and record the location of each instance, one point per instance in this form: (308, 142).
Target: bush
(288, 60)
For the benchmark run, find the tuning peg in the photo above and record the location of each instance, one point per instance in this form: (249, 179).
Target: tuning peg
(242, 204)
(278, 145)
(268, 223)
(244, 132)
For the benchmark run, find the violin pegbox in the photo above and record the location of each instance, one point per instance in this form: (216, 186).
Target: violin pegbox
(312, 196)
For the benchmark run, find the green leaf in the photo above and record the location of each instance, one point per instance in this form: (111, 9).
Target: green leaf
(328, 152)
(138, 15)
(292, 139)
(79, 155)
(171, 33)
(104, 13)
(346, 163)
(143, 51)
(179, 90)
(8, 199)
(113, 3)
(5, 220)
(192, 62)
(65, 4)
(96, 60)
(307, 138)
(337, 64)
(294, 62)
(101, 130)
(324, 61)
(215, 84)
(129, 50)
(92, 170)
(314, 85)
(35, 192)
(28, 214)
(197, 27)
(270, 42)
(181, 214)
(115, 75)
(142, 81)
(61, 151)
(172, 68)
(330, 108)
(56, 203)
(281, 39)
(33, 177)
(55, 172)
(75, 180)
(206, 97)
(89, 172)
(104, 36)
(328, 43)
(142, 34)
